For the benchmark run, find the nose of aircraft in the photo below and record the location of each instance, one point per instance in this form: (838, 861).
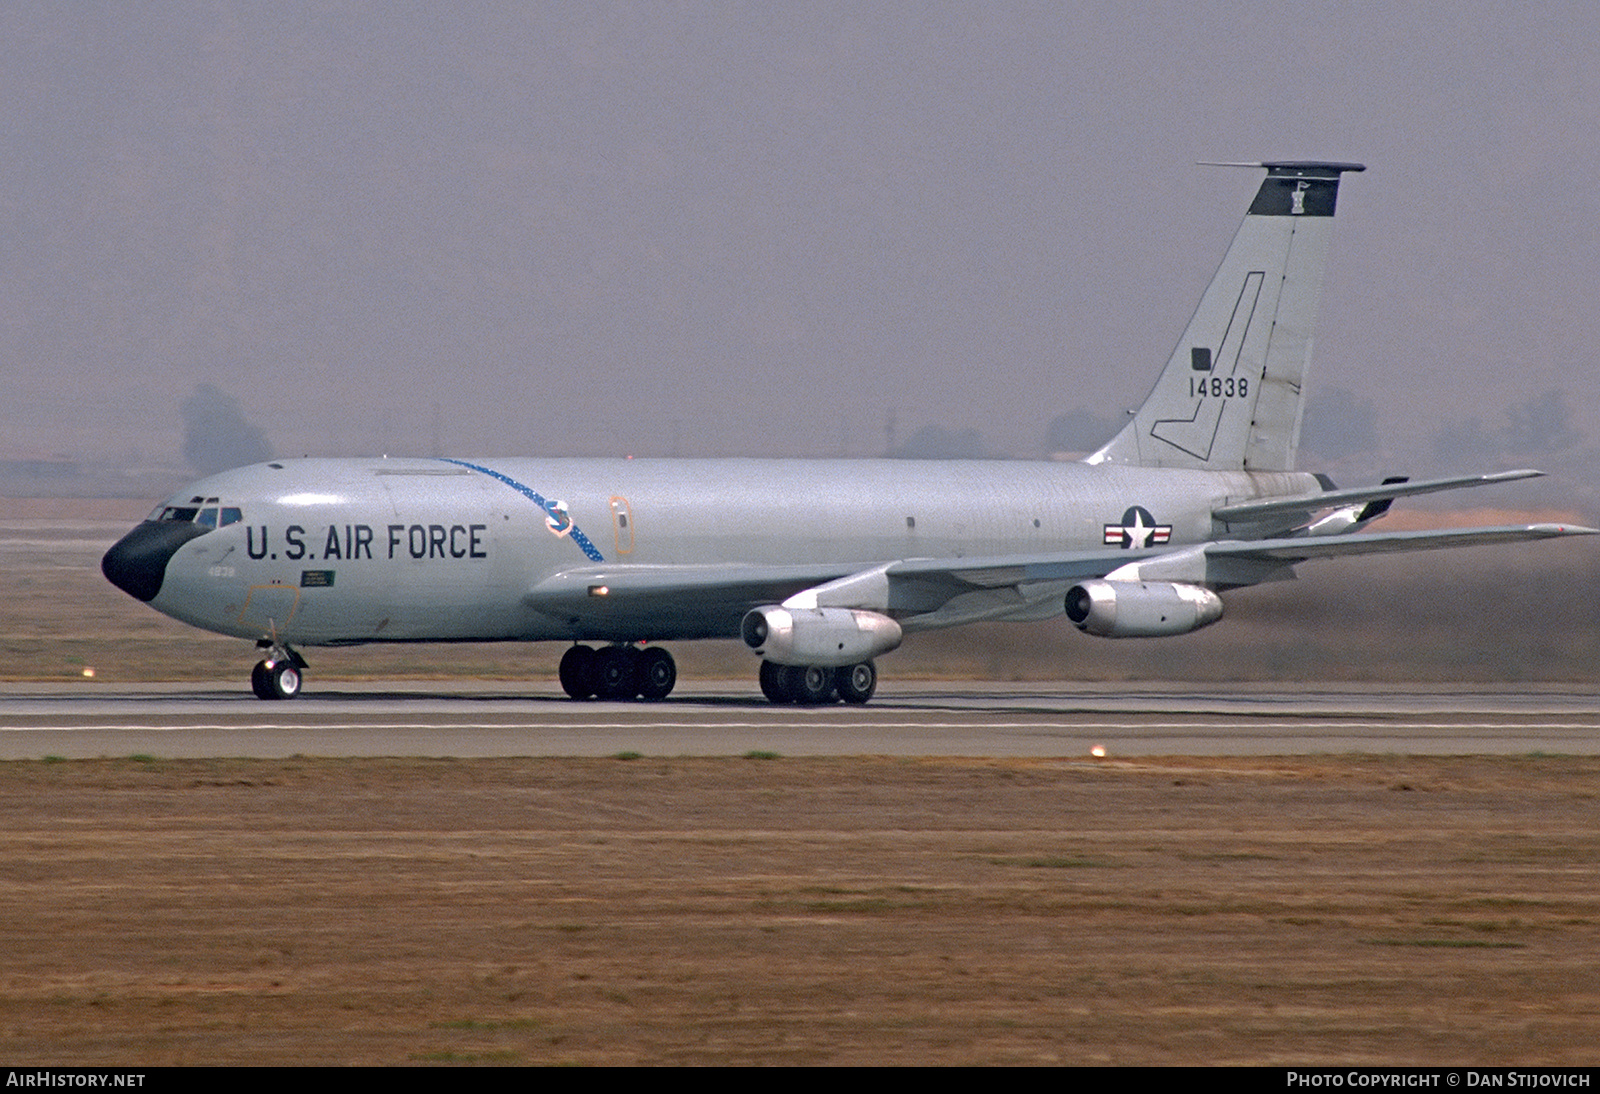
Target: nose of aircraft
(137, 563)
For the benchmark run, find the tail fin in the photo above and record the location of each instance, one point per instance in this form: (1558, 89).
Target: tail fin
(1231, 396)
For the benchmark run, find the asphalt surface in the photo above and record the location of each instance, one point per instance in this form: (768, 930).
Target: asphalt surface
(727, 718)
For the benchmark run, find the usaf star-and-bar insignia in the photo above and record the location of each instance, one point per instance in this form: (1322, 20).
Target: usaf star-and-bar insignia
(1138, 529)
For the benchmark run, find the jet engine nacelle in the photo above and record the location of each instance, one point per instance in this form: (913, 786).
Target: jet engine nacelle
(828, 637)
(1141, 609)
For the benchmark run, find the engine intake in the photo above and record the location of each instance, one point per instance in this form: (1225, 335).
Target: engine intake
(1141, 609)
(828, 637)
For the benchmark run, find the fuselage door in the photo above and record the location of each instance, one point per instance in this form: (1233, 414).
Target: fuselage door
(622, 524)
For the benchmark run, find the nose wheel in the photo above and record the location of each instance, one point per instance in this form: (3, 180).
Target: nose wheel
(280, 675)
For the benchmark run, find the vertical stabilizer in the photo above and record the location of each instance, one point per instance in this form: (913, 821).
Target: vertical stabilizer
(1231, 396)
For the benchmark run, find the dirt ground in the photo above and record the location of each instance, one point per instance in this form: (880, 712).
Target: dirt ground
(784, 911)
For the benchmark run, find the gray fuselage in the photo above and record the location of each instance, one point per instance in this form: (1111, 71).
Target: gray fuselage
(336, 551)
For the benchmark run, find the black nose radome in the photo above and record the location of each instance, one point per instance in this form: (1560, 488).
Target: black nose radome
(137, 563)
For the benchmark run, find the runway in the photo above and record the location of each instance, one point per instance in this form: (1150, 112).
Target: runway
(477, 719)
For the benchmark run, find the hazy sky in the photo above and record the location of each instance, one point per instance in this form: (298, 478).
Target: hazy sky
(716, 229)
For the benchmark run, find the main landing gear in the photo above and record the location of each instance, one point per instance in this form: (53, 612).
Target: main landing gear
(627, 672)
(813, 685)
(618, 672)
(278, 676)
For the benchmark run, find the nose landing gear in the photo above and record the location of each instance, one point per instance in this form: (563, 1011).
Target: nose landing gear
(280, 674)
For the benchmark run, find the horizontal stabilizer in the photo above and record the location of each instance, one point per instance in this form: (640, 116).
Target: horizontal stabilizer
(1300, 548)
(1305, 503)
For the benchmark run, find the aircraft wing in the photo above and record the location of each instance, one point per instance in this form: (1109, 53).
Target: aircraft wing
(1232, 564)
(1300, 548)
(622, 602)
(1306, 503)
(627, 602)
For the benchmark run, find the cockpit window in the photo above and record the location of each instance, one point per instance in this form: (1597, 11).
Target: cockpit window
(202, 511)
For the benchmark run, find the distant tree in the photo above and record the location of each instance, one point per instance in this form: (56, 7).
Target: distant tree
(1470, 440)
(1339, 424)
(216, 435)
(1538, 426)
(935, 442)
(1079, 431)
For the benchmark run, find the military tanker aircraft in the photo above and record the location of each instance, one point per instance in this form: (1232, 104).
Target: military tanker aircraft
(819, 566)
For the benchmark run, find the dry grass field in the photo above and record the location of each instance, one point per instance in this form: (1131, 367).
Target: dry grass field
(784, 911)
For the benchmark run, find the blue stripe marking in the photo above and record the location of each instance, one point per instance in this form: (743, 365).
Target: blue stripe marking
(538, 499)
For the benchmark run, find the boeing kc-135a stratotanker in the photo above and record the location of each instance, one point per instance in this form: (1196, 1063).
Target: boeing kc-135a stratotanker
(819, 566)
